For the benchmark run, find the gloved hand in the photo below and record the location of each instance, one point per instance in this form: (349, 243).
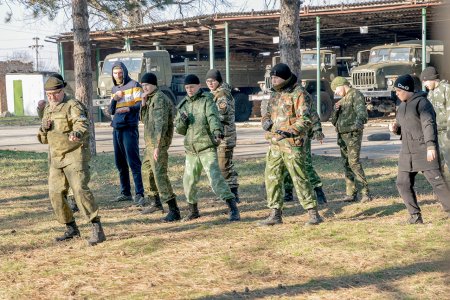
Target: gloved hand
(267, 125)
(74, 136)
(184, 117)
(46, 125)
(318, 136)
(219, 136)
(284, 134)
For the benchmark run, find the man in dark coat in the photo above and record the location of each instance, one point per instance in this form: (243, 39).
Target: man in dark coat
(416, 123)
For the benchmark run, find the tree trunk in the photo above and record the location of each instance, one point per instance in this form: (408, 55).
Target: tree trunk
(82, 61)
(289, 30)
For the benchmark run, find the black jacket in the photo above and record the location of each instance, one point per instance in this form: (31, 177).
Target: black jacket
(416, 122)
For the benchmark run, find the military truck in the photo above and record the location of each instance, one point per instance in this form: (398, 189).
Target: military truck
(329, 70)
(171, 76)
(376, 78)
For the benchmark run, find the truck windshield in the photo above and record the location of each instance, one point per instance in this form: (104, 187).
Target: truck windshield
(309, 60)
(133, 64)
(390, 54)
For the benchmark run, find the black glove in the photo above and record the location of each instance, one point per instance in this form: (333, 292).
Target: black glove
(75, 134)
(219, 136)
(184, 117)
(284, 134)
(267, 125)
(46, 125)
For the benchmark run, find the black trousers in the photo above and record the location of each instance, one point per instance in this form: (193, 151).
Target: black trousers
(405, 186)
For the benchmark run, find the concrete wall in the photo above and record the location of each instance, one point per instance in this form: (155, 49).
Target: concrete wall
(8, 67)
(32, 91)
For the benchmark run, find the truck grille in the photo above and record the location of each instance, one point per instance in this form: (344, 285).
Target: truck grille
(363, 79)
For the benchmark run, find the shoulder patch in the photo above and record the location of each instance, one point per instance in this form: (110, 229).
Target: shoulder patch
(222, 105)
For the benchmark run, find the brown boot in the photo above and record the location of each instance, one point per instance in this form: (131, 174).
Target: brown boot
(274, 218)
(314, 217)
(98, 236)
(71, 232)
(193, 213)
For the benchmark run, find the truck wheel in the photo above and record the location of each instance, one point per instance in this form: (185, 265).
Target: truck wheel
(375, 114)
(242, 106)
(379, 137)
(326, 106)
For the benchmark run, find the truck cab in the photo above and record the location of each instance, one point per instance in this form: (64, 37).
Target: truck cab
(386, 63)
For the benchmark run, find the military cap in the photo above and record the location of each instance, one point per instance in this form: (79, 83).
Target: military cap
(214, 74)
(339, 81)
(405, 82)
(429, 73)
(191, 79)
(281, 70)
(54, 83)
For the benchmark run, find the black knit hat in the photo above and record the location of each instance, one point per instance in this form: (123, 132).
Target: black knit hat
(429, 73)
(149, 78)
(405, 82)
(191, 79)
(281, 70)
(214, 74)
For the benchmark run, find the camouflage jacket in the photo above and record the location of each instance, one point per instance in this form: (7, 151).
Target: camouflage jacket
(203, 122)
(69, 115)
(225, 104)
(157, 116)
(440, 98)
(289, 109)
(352, 113)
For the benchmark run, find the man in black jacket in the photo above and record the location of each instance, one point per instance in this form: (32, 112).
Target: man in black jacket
(416, 123)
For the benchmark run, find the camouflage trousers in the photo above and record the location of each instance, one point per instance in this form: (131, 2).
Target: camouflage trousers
(226, 165)
(350, 146)
(311, 173)
(206, 160)
(444, 152)
(277, 163)
(154, 174)
(76, 176)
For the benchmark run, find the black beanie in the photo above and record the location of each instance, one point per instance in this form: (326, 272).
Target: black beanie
(214, 74)
(405, 82)
(429, 73)
(191, 79)
(149, 78)
(281, 70)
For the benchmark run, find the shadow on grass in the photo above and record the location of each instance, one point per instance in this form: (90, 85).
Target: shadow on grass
(381, 279)
(25, 198)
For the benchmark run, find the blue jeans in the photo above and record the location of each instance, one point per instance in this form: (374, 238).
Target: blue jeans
(126, 153)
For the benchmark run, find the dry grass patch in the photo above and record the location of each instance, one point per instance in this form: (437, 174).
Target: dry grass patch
(362, 251)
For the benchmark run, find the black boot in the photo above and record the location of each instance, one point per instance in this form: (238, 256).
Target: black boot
(320, 195)
(274, 218)
(98, 236)
(155, 206)
(415, 219)
(234, 211)
(314, 217)
(234, 190)
(193, 213)
(71, 232)
(288, 196)
(174, 211)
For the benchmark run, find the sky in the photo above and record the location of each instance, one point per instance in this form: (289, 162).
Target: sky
(16, 36)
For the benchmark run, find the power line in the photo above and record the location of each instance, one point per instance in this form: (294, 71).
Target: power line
(36, 46)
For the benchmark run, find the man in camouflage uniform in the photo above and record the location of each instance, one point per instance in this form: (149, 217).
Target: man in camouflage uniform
(65, 128)
(439, 96)
(349, 116)
(287, 122)
(225, 104)
(157, 115)
(40, 112)
(315, 133)
(198, 120)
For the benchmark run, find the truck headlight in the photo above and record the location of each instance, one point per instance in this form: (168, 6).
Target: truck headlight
(103, 93)
(390, 82)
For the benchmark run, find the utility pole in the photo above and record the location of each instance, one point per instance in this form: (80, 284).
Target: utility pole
(36, 46)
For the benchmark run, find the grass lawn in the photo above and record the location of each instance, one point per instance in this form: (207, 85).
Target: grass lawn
(362, 251)
(19, 121)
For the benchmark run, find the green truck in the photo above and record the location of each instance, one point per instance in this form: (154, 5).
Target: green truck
(375, 79)
(244, 75)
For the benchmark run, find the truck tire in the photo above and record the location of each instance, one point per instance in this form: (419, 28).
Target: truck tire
(242, 107)
(379, 137)
(326, 106)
